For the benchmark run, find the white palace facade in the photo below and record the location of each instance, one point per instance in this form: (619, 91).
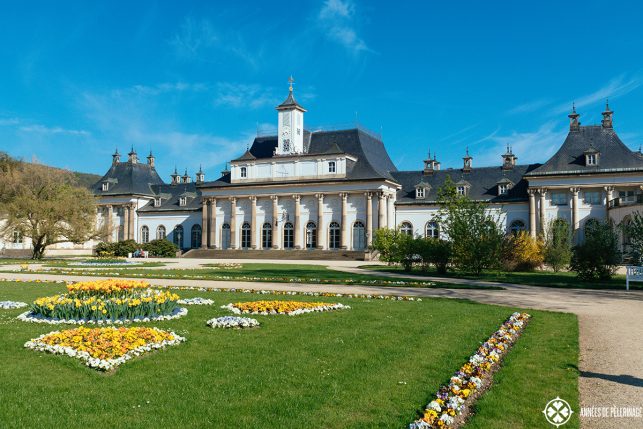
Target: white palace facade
(328, 191)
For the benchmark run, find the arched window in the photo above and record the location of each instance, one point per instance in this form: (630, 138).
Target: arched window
(311, 235)
(335, 235)
(432, 230)
(178, 236)
(225, 236)
(359, 236)
(406, 228)
(516, 226)
(196, 236)
(266, 235)
(245, 235)
(289, 233)
(160, 232)
(145, 234)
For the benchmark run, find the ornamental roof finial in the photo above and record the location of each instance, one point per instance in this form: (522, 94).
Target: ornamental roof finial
(291, 80)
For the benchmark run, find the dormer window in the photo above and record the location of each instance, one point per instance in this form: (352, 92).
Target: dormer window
(157, 202)
(105, 186)
(244, 172)
(462, 190)
(591, 159)
(332, 167)
(183, 201)
(420, 193)
(503, 189)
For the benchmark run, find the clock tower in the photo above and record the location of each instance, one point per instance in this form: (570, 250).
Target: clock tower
(290, 132)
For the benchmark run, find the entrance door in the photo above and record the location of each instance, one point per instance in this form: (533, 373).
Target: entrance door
(225, 236)
(359, 236)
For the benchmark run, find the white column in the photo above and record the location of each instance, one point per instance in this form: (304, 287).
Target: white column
(297, 221)
(125, 222)
(233, 223)
(369, 219)
(381, 211)
(253, 224)
(110, 233)
(391, 211)
(275, 222)
(212, 228)
(575, 219)
(532, 212)
(321, 236)
(204, 223)
(543, 225)
(132, 222)
(344, 238)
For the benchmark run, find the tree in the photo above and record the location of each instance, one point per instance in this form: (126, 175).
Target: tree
(597, 257)
(384, 243)
(476, 238)
(558, 245)
(633, 230)
(45, 205)
(522, 252)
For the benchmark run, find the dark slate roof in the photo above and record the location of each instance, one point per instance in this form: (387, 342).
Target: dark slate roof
(127, 178)
(170, 198)
(289, 102)
(372, 162)
(570, 158)
(483, 183)
(247, 156)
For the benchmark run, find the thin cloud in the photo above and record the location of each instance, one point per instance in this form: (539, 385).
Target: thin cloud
(337, 21)
(198, 40)
(616, 87)
(529, 107)
(43, 129)
(9, 121)
(530, 146)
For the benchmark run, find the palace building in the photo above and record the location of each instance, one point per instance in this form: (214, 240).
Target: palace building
(310, 193)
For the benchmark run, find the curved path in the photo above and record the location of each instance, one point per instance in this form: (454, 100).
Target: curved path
(611, 327)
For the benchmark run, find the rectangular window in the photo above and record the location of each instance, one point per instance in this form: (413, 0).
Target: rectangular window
(332, 168)
(106, 186)
(591, 159)
(593, 198)
(244, 172)
(559, 198)
(461, 190)
(502, 189)
(157, 202)
(627, 196)
(182, 201)
(419, 193)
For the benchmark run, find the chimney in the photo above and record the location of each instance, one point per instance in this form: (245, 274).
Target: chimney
(607, 116)
(150, 159)
(431, 165)
(132, 157)
(509, 159)
(116, 157)
(574, 125)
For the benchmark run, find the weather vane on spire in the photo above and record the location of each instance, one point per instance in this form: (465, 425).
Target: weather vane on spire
(291, 80)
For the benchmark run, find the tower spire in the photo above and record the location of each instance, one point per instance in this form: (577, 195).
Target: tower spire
(607, 121)
(574, 124)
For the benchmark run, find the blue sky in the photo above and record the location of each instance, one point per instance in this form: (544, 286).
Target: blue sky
(194, 80)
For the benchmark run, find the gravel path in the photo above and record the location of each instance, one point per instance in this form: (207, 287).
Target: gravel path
(611, 328)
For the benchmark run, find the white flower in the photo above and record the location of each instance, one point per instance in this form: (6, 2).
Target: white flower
(447, 419)
(195, 301)
(433, 405)
(10, 305)
(232, 322)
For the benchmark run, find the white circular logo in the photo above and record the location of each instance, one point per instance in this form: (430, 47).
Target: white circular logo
(558, 412)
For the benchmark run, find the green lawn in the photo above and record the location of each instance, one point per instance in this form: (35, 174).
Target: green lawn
(265, 272)
(375, 365)
(535, 278)
(77, 263)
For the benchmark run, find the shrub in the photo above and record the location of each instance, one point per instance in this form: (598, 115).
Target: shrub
(120, 248)
(161, 248)
(633, 236)
(433, 251)
(522, 252)
(384, 243)
(558, 245)
(598, 256)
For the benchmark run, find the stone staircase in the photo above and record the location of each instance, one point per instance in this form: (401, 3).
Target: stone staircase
(329, 255)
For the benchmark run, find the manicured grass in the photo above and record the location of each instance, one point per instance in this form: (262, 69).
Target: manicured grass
(535, 278)
(283, 273)
(374, 365)
(106, 264)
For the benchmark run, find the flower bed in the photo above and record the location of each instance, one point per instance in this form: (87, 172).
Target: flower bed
(10, 305)
(105, 301)
(448, 409)
(195, 301)
(104, 348)
(232, 322)
(291, 308)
